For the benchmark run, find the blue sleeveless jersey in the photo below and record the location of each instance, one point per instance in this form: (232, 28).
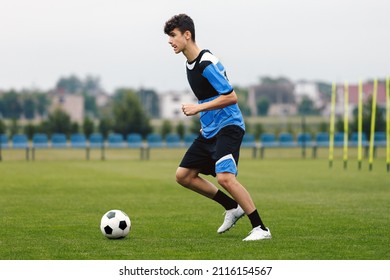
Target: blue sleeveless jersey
(207, 78)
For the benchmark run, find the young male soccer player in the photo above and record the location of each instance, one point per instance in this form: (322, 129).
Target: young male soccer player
(216, 150)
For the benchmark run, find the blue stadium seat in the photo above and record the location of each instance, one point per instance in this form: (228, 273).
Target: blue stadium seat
(173, 140)
(248, 141)
(115, 140)
(268, 140)
(78, 140)
(134, 140)
(96, 140)
(380, 139)
(154, 140)
(58, 140)
(40, 140)
(19, 141)
(4, 141)
(355, 137)
(286, 140)
(304, 139)
(322, 139)
(339, 139)
(189, 138)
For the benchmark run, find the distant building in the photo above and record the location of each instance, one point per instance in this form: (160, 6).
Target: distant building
(171, 102)
(309, 90)
(282, 109)
(102, 99)
(150, 102)
(278, 92)
(353, 96)
(72, 104)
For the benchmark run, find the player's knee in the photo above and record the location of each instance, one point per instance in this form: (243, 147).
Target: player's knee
(225, 179)
(182, 177)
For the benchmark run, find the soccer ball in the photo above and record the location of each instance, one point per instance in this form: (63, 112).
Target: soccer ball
(115, 224)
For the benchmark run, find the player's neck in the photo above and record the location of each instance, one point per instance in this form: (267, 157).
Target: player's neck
(191, 52)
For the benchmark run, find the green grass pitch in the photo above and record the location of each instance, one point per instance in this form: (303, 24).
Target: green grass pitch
(51, 210)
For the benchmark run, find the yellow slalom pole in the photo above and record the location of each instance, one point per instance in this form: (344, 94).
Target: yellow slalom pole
(360, 124)
(331, 127)
(346, 113)
(372, 131)
(388, 123)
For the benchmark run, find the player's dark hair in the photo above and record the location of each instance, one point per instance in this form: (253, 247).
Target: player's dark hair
(182, 22)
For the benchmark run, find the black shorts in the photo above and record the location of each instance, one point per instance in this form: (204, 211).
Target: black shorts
(217, 154)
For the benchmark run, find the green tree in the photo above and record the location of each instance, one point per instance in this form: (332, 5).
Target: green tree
(88, 127)
(339, 125)
(71, 84)
(90, 105)
(74, 127)
(12, 105)
(181, 129)
(42, 103)
(306, 107)
(43, 127)
(129, 117)
(323, 127)
(263, 105)
(380, 118)
(14, 127)
(149, 101)
(242, 94)
(195, 124)
(59, 122)
(91, 85)
(3, 127)
(258, 130)
(325, 89)
(105, 126)
(29, 107)
(166, 128)
(29, 129)
(1, 107)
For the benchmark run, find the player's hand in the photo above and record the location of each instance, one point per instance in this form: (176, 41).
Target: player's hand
(190, 109)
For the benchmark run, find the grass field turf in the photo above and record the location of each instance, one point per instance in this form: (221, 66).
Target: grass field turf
(51, 209)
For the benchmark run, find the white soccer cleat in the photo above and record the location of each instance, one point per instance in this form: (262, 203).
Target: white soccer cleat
(258, 234)
(231, 217)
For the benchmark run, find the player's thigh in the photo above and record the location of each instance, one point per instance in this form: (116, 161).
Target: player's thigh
(229, 141)
(199, 156)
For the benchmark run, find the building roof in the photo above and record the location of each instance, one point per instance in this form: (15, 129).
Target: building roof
(368, 89)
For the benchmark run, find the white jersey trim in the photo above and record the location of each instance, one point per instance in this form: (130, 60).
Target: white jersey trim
(229, 156)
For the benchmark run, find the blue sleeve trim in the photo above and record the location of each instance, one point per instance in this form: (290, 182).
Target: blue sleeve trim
(214, 73)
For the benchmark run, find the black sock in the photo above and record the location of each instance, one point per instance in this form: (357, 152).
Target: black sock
(255, 219)
(226, 201)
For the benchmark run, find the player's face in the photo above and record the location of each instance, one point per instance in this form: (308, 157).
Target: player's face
(177, 40)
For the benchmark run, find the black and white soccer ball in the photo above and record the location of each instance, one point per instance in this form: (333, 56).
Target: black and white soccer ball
(115, 224)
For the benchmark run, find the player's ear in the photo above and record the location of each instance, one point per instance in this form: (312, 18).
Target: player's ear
(187, 35)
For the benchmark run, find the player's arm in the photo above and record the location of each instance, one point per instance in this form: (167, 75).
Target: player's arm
(214, 72)
(221, 101)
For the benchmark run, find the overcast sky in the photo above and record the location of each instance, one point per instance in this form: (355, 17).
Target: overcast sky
(122, 41)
